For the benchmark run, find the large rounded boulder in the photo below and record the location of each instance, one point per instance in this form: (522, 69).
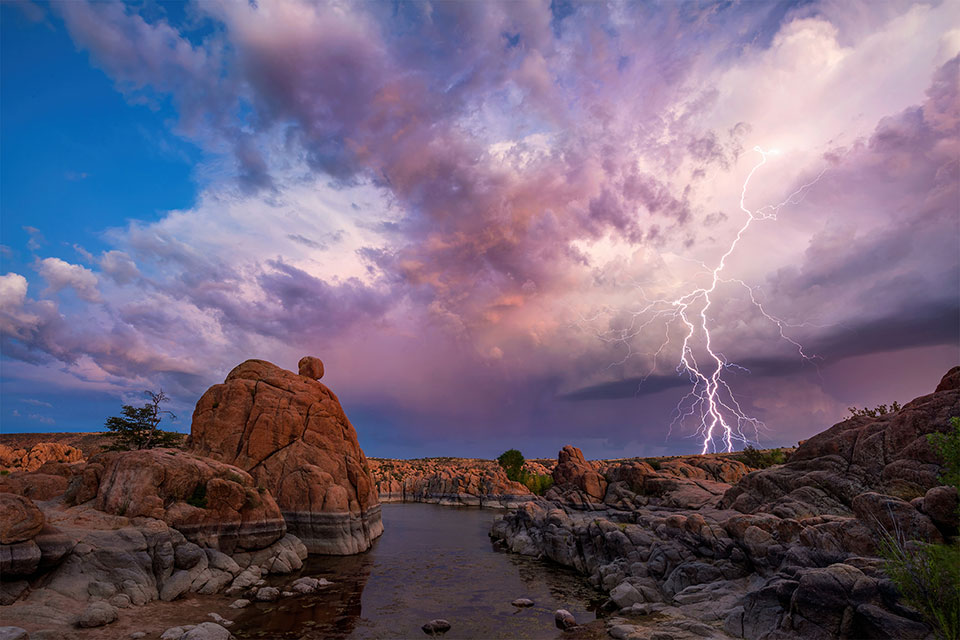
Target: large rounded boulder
(291, 434)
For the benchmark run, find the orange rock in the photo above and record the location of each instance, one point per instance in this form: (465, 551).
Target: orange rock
(310, 367)
(20, 519)
(290, 432)
(209, 502)
(38, 455)
(572, 471)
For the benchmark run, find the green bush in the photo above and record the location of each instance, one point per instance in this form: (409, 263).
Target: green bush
(761, 459)
(928, 575)
(928, 578)
(947, 445)
(538, 484)
(879, 410)
(512, 462)
(199, 497)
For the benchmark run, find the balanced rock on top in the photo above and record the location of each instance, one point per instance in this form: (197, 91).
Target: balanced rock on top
(291, 434)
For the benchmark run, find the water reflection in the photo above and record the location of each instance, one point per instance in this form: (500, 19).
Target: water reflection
(432, 562)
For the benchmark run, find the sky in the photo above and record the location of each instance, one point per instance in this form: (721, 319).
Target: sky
(480, 215)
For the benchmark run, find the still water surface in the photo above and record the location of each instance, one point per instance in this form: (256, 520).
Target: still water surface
(431, 562)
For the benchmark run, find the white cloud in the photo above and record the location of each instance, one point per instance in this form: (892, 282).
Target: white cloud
(61, 275)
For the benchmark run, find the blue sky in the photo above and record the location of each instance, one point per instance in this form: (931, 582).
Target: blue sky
(77, 157)
(463, 207)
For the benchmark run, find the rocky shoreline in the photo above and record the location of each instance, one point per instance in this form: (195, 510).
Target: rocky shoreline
(786, 552)
(271, 455)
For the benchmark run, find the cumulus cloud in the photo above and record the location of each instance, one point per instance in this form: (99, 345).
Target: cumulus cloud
(119, 266)
(472, 193)
(63, 275)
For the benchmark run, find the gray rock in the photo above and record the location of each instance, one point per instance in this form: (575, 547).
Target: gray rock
(221, 561)
(216, 617)
(176, 585)
(207, 631)
(733, 623)
(522, 602)
(102, 590)
(97, 614)
(436, 627)
(11, 591)
(622, 631)
(564, 619)
(875, 622)
(120, 601)
(13, 633)
(138, 634)
(187, 555)
(308, 585)
(241, 603)
(625, 595)
(267, 594)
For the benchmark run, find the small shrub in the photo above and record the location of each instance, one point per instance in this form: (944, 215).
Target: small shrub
(234, 477)
(947, 446)
(199, 497)
(538, 484)
(4, 472)
(761, 459)
(879, 410)
(928, 578)
(512, 462)
(655, 463)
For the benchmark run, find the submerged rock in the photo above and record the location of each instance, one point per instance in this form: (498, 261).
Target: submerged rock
(436, 627)
(291, 434)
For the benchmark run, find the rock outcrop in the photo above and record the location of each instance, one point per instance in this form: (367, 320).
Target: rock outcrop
(291, 434)
(27, 544)
(450, 481)
(212, 504)
(789, 551)
(834, 472)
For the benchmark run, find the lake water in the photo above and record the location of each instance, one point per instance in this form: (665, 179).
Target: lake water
(431, 562)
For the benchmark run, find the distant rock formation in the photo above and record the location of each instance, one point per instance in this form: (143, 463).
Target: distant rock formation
(291, 434)
(450, 481)
(32, 459)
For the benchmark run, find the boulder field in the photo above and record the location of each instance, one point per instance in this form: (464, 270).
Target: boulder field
(785, 552)
(289, 432)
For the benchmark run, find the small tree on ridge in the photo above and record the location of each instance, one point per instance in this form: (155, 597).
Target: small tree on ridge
(139, 427)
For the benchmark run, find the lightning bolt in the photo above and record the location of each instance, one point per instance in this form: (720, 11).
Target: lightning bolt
(710, 402)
